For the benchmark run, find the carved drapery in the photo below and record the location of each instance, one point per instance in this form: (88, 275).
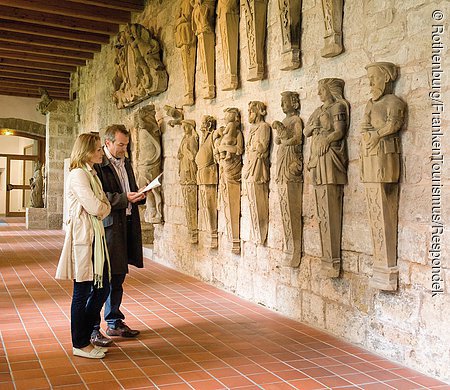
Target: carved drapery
(290, 16)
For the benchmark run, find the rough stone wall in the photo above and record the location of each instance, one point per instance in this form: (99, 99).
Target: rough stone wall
(409, 325)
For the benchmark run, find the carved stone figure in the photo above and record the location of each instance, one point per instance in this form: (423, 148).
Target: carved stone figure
(290, 15)
(207, 178)
(146, 151)
(333, 12)
(188, 176)
(139, 70)
(176, 113)
(289, 175)
(255, 12)
(228, 15)
(256, 171)
(186, 40)
(228, 148)
(44, 105)
(203, 22)
(37, 187)
(380, 169)
(328, 127)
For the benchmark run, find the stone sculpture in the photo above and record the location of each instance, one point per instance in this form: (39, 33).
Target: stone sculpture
(37, 187)
(256, 173)
(203, 22)
(328, 128)
(176, 113)
(289, 177)
(139, 70)
(186, 40)
(255, 12)
(228, 15)
(207, 178)
(228, 150)
(333, 12)
(44, 105)
(290, 15)
(380, 169)
(146, 152)
(188, 176)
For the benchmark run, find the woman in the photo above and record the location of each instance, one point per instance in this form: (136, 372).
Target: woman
(84, 258)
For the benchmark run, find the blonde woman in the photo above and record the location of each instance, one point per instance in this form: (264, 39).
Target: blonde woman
(84, 258)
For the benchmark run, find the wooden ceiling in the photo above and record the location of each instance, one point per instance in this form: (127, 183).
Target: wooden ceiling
(43, 41)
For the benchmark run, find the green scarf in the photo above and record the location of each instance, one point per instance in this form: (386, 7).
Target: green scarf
(100, 249)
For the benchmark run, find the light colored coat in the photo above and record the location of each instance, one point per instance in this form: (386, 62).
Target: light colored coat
(75, 262)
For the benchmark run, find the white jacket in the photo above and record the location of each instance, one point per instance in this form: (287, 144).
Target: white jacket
(75, 261)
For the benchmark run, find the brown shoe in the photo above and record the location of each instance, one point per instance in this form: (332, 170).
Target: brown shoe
(122, 329)
(98, 339)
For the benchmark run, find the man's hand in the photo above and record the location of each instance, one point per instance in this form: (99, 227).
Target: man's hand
(134, 197)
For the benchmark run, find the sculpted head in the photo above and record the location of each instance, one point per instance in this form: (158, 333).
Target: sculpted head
(256, 111)
(232, 114)
(331, 89)
(381, 77)
(208, 124)
(290, 102)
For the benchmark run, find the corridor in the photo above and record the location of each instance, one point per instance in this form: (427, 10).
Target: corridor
(194, 336)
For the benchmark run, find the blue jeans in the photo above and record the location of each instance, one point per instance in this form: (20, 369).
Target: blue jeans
(87, 303)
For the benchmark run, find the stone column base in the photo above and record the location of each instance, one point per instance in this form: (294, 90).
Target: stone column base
(36, 218)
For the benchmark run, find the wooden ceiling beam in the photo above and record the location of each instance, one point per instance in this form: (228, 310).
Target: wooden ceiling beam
(47, 51)
(53, 32)
(36, 65)
(33, 77)
(9, 36)
(50, 89)
(46, 19)
(127, 5)
(35, 71)
(32, 90)
(30, 94)
(41, 58)
(41, 83)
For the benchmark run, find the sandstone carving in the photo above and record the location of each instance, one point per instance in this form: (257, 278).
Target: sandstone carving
(203, 21)
(207, 178)
(333, 12)
(255, 12)
(328, 128)
(290, 15)
(228, 150)
(139, 70)
(37, 187)
(228, 14)
(380, 169)
(176, 114)
(186, 41)
(44, 105)
(256, 170)
(188, 176)
(146, 151)
(289, 175)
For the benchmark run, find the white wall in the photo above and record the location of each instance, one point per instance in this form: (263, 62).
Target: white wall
(21, 108)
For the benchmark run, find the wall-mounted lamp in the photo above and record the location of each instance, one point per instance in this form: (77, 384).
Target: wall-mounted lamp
(7, 132)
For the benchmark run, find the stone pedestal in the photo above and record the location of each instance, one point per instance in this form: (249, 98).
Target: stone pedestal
(36, 218)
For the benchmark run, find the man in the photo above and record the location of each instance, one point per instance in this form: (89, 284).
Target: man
(122, 228)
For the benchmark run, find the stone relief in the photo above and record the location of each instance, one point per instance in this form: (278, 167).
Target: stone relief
(290, 15)
(228, 15)
(289, 177)
(186, 41)
(333, 13)
(203, 22)
(44, 105)
(207, 178)
(256, 173)
(380, 169)
(328, 127)
(37, 187)
(139, 70)
(147, 153)
(228, 150)
(255, 13)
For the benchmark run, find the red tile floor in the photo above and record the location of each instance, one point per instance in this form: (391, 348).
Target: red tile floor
(194, 336)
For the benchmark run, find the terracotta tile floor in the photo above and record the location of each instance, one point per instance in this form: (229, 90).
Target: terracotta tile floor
(194, 336)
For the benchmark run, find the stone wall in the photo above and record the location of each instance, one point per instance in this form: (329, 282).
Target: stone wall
(409, 326)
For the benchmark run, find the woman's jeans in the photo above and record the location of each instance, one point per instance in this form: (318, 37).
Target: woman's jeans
(87, 302)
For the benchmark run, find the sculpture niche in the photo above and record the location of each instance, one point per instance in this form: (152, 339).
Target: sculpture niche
(256, 171)
(380, 169)
(203, 22)
(228, 150)
(333, 13)
(139, 70)
(328, 128)
(207, 178)
(146, 152)
(37, 187)
(255, 12)
(228, 15)
(289, 176)
(186, 41)
(291, 16)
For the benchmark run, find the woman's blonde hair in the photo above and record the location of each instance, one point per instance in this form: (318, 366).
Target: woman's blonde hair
(83, 149)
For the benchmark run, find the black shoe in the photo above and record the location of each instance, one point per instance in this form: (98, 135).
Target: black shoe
(122, 329)
(98, 339)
